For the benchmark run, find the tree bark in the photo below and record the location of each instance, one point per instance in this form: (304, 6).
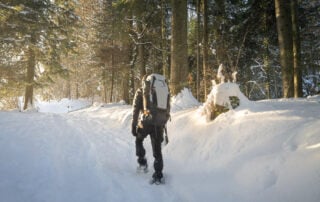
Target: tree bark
(165, 65)
(141, 50)
(126, 72)
(179, 47)
(266, 55)
(198, 48)
(284, 27)
(104, 82)
(112, 76)
(297, 78)
(221, 52)
(205, 48)
(28, 98)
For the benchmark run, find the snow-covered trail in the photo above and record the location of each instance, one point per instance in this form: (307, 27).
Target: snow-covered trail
(81, 156)
(262, 151)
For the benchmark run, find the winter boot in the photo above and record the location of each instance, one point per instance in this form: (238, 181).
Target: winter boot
(143, 165)
(157, 178)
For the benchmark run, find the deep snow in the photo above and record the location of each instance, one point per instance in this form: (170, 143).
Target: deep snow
(260, 152)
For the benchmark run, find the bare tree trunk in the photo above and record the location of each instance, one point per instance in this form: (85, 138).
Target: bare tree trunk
(297, 78)
(126, 78)
(126, 85)
(179, 46)
(132, 82)
(266, 63)
(112, 77)
(104, 83)
(68, 89)
(198, 49)
(141, 62)
(165, 65)
(205, 48)
(266, 58)
(28, 102)
(221, 52)
(284, 27)
(77, 82)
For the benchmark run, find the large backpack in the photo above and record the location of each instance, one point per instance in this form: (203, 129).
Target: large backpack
(156, 100)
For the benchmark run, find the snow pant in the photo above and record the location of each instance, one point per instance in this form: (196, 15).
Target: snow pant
(156, 135)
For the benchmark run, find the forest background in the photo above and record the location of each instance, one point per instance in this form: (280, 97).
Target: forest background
(100, 49)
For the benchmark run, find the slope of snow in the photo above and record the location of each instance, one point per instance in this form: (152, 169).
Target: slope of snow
(263, 151)
(269, 152)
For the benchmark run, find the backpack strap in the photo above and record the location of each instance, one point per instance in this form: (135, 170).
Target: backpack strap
(145, 94)
(151, 87)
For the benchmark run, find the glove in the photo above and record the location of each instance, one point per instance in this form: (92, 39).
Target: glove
(134, 129)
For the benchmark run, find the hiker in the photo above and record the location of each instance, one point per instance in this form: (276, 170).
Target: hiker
(143, 125)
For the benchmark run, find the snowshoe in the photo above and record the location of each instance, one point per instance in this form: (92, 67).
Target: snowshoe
(157, 178)
(142, 168)
(157, 181)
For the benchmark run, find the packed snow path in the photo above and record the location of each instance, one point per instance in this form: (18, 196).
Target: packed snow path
(72, 157)
(264, 151)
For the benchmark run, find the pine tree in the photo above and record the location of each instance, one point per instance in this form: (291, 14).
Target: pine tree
(38, 33)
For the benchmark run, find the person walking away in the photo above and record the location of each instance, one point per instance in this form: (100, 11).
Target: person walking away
(151, 111)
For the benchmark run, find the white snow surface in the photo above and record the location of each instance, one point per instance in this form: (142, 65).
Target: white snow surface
(260, 152)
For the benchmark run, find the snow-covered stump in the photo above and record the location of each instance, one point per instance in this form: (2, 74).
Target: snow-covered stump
(222, 98)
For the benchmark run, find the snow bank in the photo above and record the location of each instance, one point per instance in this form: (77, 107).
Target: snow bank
(184, 100)
(261, 152)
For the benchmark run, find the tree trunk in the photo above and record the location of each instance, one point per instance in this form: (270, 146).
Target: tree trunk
(126, 85)
(68, 95)
(165, 65)
(76, 73)
(179, 47)
(284, 27)
(266, 56)
(266, 64)
(141, 52)
(126, 76)
(112, 77)
(104, 83)
(28, 102)
(205, 48)
(198, 48)
(297, 78)
(221, 52)
(132, 85)
(126, 79)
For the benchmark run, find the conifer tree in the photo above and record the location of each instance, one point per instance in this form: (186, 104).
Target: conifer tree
(38, 33)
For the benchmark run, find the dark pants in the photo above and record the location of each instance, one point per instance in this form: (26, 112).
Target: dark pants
(156, 135)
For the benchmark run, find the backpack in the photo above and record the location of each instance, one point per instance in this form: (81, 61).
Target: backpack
(156, 100)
